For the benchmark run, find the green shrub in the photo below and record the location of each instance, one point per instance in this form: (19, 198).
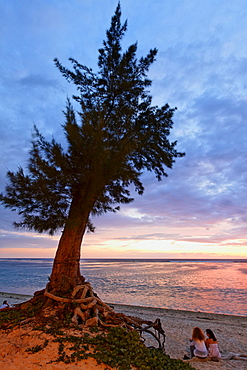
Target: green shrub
(120, 349)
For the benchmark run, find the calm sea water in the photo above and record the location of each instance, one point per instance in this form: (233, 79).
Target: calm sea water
(207, 286)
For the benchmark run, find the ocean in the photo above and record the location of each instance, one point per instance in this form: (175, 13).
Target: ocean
(217, 286)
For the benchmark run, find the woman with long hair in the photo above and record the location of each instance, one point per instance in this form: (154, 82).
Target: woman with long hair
(212, 345)
(197, 344)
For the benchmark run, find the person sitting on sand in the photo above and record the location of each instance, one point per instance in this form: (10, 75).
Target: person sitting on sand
(212, 345)
(4, 305)
(197, 345)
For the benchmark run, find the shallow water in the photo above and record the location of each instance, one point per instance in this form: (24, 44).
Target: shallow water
(208, 286)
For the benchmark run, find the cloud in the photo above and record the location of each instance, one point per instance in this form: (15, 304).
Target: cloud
(37, 81)
(20, 240)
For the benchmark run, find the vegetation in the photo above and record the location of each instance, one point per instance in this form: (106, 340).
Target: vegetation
(119, 349)
(116, 347)
(11, 317)
(38, 348)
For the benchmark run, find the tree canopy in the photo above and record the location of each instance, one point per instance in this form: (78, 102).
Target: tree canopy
(113, 137)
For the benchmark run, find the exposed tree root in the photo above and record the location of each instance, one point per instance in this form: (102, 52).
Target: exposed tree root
(89, 310)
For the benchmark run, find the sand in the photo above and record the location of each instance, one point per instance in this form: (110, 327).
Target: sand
(231, 332)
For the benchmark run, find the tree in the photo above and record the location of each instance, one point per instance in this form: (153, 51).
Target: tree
(116, 135)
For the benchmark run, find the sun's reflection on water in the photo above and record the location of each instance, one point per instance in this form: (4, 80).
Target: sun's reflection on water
(196, 286)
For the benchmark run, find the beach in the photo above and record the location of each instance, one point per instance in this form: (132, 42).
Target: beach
(231, 332)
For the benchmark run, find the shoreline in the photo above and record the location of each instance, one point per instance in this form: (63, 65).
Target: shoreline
(230, 330)
(168, 311)
(16, 298)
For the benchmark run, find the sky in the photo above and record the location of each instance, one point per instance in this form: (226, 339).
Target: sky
(200, 209)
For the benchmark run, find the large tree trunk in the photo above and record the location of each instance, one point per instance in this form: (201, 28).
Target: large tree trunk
(66, 266)
(67, 290)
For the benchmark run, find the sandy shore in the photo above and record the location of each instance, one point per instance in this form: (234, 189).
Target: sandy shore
(13, 298)
(231, 332)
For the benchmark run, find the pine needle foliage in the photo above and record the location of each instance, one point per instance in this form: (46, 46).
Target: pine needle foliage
(113, 137)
